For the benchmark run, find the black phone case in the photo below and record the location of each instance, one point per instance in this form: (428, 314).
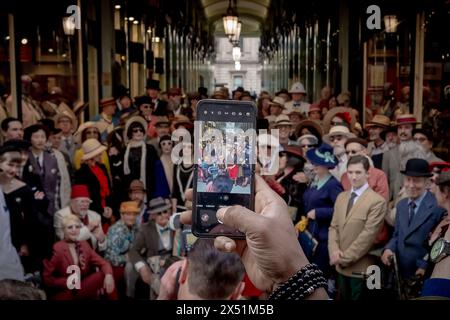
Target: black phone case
(202, 105)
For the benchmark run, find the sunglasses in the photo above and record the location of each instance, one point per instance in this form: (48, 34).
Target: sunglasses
(336, 138)
(135, 130)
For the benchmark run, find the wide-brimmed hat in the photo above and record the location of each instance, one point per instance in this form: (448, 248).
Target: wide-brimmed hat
(441, 166)
(130, 207)
(293, 150)
(67, 114)
(417, 168)
(405, 119)
(136, 185)
(162, 120)
(282, 120)
(379, 120)
(277, 101)
(297, 87)
(89, 124)
(310, 137)
(131, 120)
(336, 131)
(344, 112)
(322, 156)
(314, 107)
(92, 148)
(311, 124)
(357, 140)
(158, 205)
(152, 84)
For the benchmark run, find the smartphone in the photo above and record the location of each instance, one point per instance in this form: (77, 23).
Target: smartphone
(224, 163)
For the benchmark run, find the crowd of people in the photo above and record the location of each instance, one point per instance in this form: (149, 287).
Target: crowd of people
(99, 199)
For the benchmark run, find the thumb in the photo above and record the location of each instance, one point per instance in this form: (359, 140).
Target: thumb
(238, 217)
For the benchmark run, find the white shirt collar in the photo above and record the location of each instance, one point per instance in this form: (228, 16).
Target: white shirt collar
(361, 190)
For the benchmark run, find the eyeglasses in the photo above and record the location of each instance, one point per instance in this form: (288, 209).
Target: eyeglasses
(135, 130)
(168, 211)
(73, 226)
(351, 152)
(336, 138)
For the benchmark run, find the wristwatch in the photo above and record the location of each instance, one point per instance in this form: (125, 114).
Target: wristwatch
(440, 249)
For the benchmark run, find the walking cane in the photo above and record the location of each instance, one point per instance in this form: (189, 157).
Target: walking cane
(397, 276)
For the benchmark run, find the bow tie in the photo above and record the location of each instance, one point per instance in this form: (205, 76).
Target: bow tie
(162, 230)
(296, 104)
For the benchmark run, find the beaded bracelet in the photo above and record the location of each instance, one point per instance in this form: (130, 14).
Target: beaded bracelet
(300, 285)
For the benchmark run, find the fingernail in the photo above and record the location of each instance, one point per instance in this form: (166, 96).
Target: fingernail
(221, 213)
(228, 246)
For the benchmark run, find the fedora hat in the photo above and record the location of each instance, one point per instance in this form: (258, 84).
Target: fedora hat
(322, 156)
(380, 121)
(406, 119)
(297, 87)
(417, 168)
(158, 205)
(130, 207)
(152, 84)
(282, 120)
(278, 101)
(338, 130)
(92, 148)
(343, 112)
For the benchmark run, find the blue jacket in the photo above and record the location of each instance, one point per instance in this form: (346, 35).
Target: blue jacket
(322, 201)
(409, 243)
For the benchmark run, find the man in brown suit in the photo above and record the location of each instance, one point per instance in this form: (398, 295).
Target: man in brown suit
(151, 247)
(358, 216)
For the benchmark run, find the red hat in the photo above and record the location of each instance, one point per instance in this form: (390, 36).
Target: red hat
(79, 191)
(314, 107)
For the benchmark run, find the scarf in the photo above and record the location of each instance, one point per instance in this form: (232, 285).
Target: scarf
(103, 181)
(168, 169)
(126, 166)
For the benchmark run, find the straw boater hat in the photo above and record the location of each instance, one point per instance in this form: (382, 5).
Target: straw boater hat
(138, 119)
(130, 207)
(348, 113)
(182, 120)
(136, 185)
(379, 120)
(92, 148)
(406, 119)
(336, 131)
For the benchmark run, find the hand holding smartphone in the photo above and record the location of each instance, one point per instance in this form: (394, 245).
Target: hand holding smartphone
(224, 153)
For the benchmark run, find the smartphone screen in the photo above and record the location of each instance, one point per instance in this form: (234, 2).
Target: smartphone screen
(225, 136)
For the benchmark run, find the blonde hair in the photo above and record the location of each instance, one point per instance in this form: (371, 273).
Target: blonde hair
(69, 219)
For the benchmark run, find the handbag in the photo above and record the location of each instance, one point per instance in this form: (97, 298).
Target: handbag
(308, 242)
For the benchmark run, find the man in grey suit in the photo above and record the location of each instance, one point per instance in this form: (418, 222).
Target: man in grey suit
(417, 215)
(395, 159)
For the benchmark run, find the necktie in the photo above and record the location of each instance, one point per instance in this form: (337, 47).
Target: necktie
(350, 202)
(412, 207)
(41, 171)
(68, 144)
